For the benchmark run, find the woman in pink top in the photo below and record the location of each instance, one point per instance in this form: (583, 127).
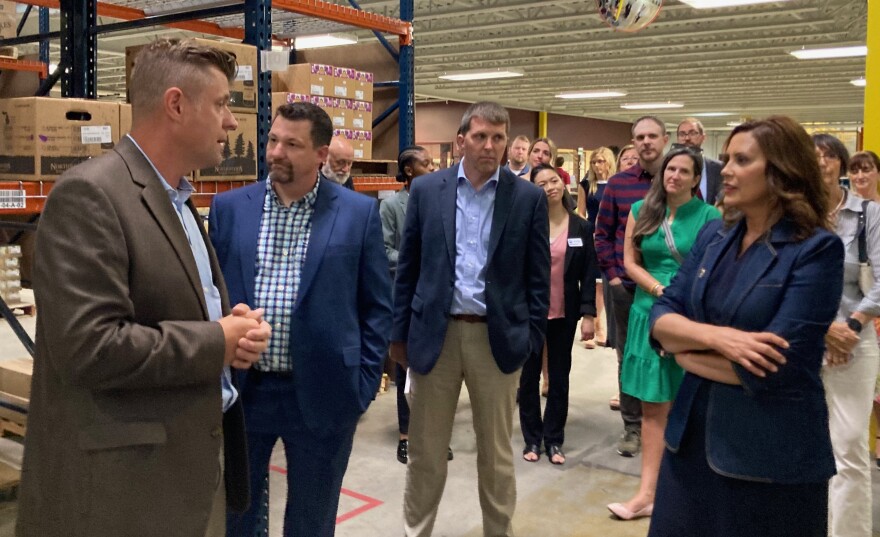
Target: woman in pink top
(572, 298)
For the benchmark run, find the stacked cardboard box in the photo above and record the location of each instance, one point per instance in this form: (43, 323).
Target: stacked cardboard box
(240, 155)
(8, 24)
(345, 94)
(40, 137)
(10, 274)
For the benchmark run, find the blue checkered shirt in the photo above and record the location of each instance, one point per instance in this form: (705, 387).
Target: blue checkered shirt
(281, 254)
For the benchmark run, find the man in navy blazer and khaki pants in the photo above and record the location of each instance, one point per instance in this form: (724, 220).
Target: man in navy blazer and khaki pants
(311, 253)
(470, 302)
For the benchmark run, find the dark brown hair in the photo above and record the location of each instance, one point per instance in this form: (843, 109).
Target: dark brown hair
(653, 209)
(567, 200)
(792, 173)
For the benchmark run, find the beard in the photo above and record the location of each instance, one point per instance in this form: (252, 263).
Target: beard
(281, 172)
(338, 177)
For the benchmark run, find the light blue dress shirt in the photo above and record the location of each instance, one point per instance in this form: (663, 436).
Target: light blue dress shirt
(203, 263)
(473, 224)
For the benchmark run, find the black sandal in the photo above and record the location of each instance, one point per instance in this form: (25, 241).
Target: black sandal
(532, 448)
(555, 450)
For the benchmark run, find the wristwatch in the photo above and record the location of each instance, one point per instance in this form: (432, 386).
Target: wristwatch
(854, 325)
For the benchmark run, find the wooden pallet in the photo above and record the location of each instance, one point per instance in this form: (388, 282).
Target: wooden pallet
(8, 427)
(26, 309)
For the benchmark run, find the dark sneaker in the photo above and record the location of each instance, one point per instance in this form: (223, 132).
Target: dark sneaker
(403, 451)
(630, 443)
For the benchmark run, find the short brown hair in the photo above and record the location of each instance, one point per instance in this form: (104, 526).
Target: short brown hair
(863, 161)
(488, 111)
(168, 63)
(792, 173)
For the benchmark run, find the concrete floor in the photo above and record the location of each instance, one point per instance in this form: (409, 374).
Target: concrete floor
(569, 500)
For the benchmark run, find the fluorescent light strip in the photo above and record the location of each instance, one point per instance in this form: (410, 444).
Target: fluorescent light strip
(858, 82)
(323, 41)
(651, 106)
(590, 94)
(830, 53)
(711, 4)
(481, 75)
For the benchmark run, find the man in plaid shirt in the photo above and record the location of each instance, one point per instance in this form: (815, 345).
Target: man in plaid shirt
(310, 252)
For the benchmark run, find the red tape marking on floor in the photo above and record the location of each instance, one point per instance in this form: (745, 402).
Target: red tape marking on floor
(369, 503)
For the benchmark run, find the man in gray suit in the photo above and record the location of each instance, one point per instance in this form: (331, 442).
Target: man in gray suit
(132, 407)
(690, 133)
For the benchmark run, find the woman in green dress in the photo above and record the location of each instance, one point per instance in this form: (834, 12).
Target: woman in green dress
(659, 233)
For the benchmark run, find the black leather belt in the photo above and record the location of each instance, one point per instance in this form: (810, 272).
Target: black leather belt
(468, 317)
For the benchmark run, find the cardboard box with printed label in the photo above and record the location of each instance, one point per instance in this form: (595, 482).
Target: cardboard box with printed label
(8, 24)
(306, 78)
(279, 98)
(243, 90)
(344, 83)
(239, 155)
(338, 116)
(363, 87)
(124, 119)
(361, 141)
(41, 138)
(361, 115)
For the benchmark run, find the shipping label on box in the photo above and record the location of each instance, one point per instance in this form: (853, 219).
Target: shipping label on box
(363, 88)
(239, 154)
(243, 89)
(41, 138)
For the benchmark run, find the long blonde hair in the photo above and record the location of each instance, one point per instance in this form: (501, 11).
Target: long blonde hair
(608, 155)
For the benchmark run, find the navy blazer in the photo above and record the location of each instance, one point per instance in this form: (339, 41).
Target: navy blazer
(581, 267)
(341, 321)
(772, 429)
(517, 272)
(713, 179)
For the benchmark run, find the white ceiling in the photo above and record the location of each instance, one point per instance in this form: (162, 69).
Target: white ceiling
(731, 60)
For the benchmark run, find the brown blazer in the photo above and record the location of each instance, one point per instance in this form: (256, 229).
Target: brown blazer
(125, 423)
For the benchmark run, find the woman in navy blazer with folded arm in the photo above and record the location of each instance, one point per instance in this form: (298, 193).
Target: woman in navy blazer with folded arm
(748, 449)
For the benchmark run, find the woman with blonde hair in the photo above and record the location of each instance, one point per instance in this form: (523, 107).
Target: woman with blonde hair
(590, 189)
(542, 151)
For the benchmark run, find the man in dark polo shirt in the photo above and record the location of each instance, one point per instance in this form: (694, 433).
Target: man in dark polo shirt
(624, 189)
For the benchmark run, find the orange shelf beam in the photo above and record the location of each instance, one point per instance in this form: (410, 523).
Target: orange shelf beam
(347, 15)
(35, 194)
(128, 14)
(24, 65)
(313, 8)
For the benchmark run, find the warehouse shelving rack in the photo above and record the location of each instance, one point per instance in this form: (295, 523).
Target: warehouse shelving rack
(78, 73)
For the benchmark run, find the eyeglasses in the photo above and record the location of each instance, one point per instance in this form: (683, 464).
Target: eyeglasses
(826, 156)
(688, 134)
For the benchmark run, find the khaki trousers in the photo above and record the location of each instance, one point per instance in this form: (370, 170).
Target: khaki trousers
(465, 356)
(217, 517)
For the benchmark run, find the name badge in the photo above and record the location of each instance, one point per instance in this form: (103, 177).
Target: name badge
(576, 242)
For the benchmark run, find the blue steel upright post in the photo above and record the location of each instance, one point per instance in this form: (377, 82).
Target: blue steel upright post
(79, 49)
(406, 96)
(258, 32)
(44, 29)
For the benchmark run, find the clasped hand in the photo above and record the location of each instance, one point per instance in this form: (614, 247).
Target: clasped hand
(246, 335)
(757, 352)
(840, 341)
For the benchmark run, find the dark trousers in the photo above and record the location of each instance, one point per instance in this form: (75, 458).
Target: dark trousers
(630, 407)
(402, 405)
(560, 337)
(315, 465)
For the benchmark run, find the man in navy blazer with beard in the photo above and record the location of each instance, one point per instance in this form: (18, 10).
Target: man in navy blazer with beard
(311, 253)
(470, 302)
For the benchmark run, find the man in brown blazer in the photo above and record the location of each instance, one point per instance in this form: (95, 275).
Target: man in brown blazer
(132, 406)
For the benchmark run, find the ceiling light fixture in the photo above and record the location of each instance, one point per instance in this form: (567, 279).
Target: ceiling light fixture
(734, 123)
(597, 94)
(830, 52)
(323, 41)
(651, 106)
(859, 82)
(484, 74)
(711, 4)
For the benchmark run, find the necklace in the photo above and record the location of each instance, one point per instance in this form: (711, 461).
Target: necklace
(832, 216)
